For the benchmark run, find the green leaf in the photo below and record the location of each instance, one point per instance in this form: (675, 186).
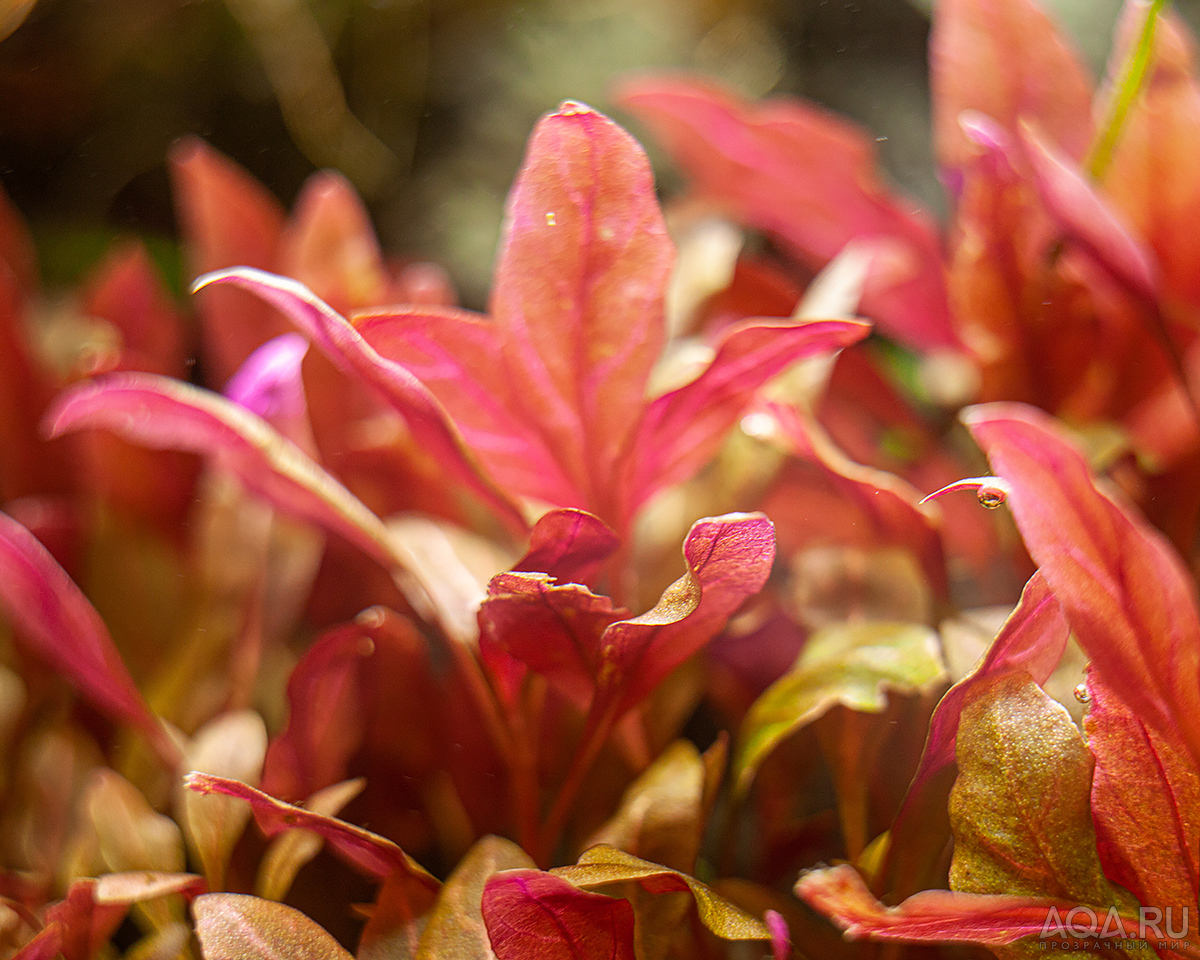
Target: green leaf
(851, 664)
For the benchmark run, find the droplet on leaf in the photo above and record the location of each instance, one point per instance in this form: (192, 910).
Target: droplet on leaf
(992, 496)
(1081, 693)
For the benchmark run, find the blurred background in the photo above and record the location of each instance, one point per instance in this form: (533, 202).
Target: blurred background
(424, 104)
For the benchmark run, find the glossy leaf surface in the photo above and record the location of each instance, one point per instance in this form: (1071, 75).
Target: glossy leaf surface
(232, 926)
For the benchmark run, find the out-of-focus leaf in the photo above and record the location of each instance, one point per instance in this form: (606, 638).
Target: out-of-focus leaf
(529, 913)
(1005, 59)
(374, 855)
(570, 545)
(455, 929)
(167, 414)
(866, 507)
(1131, 605)
(580, 279)
(227, 218)
(602, 865)
(292, 849)
(932, 916)
(681, 430)
(781, 937)
(166, 943)
(852, 664)
(268, 384)
(660, 817)
(52, 616)
(1088, 219)
(345, 346)
(233, 926)
(232, 745)
(808, 178)
(131, 835)
(361, 679)
(1016, 747)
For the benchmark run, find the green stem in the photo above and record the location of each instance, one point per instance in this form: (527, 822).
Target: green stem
(1125, 94)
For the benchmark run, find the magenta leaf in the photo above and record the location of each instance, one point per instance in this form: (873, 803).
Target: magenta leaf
(268, 383)
(570, 545)
(53, 617)
(345, 346)
(162, 413)
(808, 178)
(374, 855)
(530, 914)
(578, 292)
(681, 430)
(1087, 219)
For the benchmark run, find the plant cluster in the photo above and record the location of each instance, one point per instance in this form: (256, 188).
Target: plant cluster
(335, 551)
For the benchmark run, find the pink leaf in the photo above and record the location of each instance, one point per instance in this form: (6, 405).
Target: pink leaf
(52, 616)
(374, 855)
(268, 384)
(457, 356)
(682, 429)
(578, 293)
(1087, 219)
(166, 414)
(536, 916)
(344, 345)
(807, 177)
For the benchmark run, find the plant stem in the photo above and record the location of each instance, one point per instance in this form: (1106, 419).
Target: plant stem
(1125, 93)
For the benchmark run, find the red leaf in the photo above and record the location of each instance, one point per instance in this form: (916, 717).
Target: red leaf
(536, 916)
(167, 414)
(52, 616)
(578, 292)
(681, 430)
(234, 926)
(807, 177)
(374, 855)
(570, 545)
(426, 417)
(227, 218)
(932, 916)
(1005, 59)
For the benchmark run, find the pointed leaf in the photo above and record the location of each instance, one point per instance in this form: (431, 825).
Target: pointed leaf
(374, 855)
(1006, 60)
(578, 294)
(455, 928)
(808, 178)
(130, 835)
(234, 926)
(851, 664)
(425, 416)
(167, 414)
(49, 613)
(602, 865)
(681, 430)
(1088, 219)
(534, 914)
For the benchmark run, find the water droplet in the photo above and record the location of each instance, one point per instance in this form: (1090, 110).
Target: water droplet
(992, 496)
(550, 219)
(1081, 693)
